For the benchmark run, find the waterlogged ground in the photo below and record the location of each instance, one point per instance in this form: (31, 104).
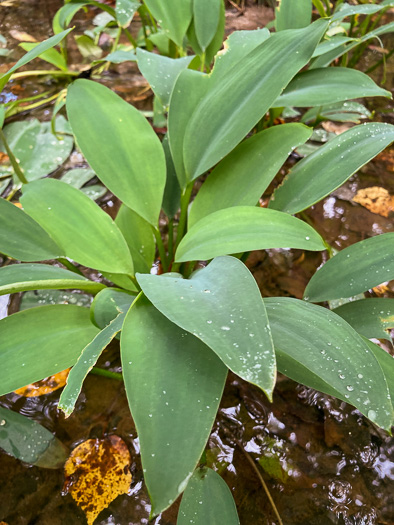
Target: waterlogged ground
(322, 461)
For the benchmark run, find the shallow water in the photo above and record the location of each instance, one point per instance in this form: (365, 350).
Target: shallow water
(322, 461)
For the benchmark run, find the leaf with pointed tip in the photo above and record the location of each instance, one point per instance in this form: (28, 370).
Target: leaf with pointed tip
(27, 440)
(125, 10)
(221, 305)
(243, 229)
(85, 232)
(173, 383)
(293, 15)
(108, 304)
(244, 95)
(324, 170)
(50, 55)
(33, 53)
(129, 160)
(22, 277)
(317, 348)
(161, 72)
(86, 362)
(206, 14)
(23, 238)
(328, 85)
(207, 500)
(244, 174)
(369, 317)
(345, 10)
(40, 342)
(354, 270)
(139, 237)
(174, 17)
(332, 43)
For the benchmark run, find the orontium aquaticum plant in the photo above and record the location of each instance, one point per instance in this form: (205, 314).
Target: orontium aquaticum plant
(183, 330)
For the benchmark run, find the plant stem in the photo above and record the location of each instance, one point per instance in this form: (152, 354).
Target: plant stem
(160, 246)
(35, 104)
(106, 373)
(18, 172)
(130, 38)
(52, 72)
(185, 199)
(320, 7)
(170, 246)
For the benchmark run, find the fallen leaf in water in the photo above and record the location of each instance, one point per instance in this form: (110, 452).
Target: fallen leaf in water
(96, 472)
(375, 199)
(22, 36)
(45, 386)
(4, 159)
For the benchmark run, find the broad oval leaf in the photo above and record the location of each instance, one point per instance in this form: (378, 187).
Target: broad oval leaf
(125, 10)
(40, 342)
(369, 317)
(245, 228)
(323, 171)
(108, 304)
(319, 349)
(174, 17)
(244, 95)
(244, 174)
(328, 85)
(207, 500)
(206, 14)
(354, 270)
(86, 362)
(85, 233)
(161, 72)
(33, 53)
(173, 383)
(120, 145)
(293, 15)
(22, 238)
(27, 440)
(22, 277)
(221, 305)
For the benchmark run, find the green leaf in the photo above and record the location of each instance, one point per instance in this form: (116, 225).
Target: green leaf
(221, 305)
(386, 362)
(77, 177)
(293, 15)
(245, 228)
(33, 299)
(353, 270)
(319, 349)
(139, 238)
(329, 45)
(34, 53)
(323, 171)
(40, 342)
(22, 277)
(119, 56)
(244, 174)
(161, 72)
(86, 362)
(206, 14)
(108, 304)
(85, 233)
(173, 383)
(173, 17)
(129, 160)
(125, 10)
(207, 500)
(38, 151)
(27, 440)
(172, 192)
(328, 85)
(244, 95)
(51, 55)
(66, 13)
(369, 317)
(345, 10)
(340, 112)
(87, 47)
(22, 238)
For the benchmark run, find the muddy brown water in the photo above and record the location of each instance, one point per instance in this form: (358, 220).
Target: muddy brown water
(322, 461)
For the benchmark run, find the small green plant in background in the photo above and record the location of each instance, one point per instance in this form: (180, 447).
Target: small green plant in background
(180, 332)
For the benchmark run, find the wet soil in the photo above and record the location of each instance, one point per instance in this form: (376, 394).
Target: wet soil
(322, 461)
